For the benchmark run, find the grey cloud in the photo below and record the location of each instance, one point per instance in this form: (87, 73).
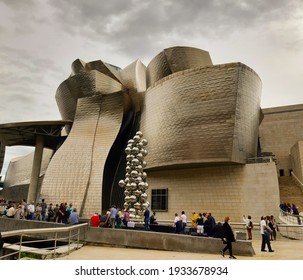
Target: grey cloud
(31, 68)
(19, 5)
(22, 17)
(136, 25)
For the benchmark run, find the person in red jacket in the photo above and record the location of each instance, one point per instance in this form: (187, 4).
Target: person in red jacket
(95, 220)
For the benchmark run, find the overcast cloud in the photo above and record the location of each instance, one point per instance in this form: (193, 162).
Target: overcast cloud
(40, 39)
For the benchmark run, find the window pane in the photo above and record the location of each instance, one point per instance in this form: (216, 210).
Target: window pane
(159, 199)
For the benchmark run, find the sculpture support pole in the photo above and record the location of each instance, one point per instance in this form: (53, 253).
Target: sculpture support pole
(33, 191)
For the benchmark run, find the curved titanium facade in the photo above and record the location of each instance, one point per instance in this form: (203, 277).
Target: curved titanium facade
(203, 116)
(76, 170)
(173, 60)
(102, 101)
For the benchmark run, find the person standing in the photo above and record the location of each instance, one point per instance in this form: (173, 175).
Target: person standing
(31, 211)
(183, 222)
(43, 210)
(194, 218)
(177, 223)
(61, 213)
(56, 213)
(212, 222)
(19, 213)
(50, 212)
(146, 219)
(11, 211)
(295, 212)
(265, 233)
(228, 238)
(200, 222)
(125, 218)
(206, 225)
(249, 226)
(274, 228)
(113, 214)
(74, 217)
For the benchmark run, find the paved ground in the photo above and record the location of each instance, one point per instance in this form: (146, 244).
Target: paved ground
(285, 249)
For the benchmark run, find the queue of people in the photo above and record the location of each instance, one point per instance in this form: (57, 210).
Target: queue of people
(42, 212)
(114, 217)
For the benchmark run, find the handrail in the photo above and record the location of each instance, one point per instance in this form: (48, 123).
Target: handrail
(260, 159)
(294, 175)
(291, 218)
(41, 230)
(56, 230)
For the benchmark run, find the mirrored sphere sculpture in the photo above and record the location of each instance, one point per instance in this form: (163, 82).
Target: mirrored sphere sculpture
(135, 178)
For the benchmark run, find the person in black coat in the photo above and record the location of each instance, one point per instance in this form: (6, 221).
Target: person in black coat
(228, 238)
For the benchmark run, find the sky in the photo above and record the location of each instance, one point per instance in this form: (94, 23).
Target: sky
(39, 40)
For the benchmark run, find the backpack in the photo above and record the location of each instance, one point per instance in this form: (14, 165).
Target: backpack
(50, 212)
(251, 225)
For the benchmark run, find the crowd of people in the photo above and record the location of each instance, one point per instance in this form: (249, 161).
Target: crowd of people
(114, 217)
(203, 224)
(63, 213)
(291, 209)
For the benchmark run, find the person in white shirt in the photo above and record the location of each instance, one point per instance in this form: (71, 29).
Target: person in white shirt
(265, 235)
(31, 210)
(11, 211)
(177, 223)
(183, 222)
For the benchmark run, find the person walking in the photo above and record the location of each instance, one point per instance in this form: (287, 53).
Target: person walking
(228, 238)
(265, 233)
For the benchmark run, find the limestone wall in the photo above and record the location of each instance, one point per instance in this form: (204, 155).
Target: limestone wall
(225, 191)
(281, 128)
(297, 160)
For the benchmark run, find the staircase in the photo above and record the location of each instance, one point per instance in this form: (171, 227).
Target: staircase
(291, 192)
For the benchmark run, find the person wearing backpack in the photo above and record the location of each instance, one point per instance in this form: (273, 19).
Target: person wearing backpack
(249, 226)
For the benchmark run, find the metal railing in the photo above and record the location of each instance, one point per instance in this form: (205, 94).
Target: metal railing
(260, 159)
(19, 248)
(289, 218)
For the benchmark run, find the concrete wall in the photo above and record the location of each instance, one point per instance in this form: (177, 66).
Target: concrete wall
(225, 191)
(7, 224)
(136, 238)
(164, 241)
